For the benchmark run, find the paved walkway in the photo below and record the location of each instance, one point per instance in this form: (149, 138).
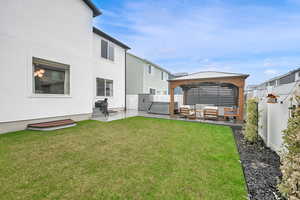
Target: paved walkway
(132, 113)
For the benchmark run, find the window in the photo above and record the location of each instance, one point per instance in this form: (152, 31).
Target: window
(50, 77)
(149, 69)
(109, 88)
(272, 83)
(104, 87)
(100, 87)
(104, 47)
(162, 75)
(111, 53)
(152, 91)
(107, 50)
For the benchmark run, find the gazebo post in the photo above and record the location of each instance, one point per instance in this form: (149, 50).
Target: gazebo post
(241, 104)
(171, 105)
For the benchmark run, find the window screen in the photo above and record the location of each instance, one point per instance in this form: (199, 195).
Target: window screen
(100, 87)
(108, 88)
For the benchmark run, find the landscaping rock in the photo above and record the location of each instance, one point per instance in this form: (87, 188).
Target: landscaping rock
(261, 168)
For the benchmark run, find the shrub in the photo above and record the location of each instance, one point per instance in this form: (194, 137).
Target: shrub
(251, 129)
(290, 159)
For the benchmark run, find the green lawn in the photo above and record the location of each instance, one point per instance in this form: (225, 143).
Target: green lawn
(135, 158)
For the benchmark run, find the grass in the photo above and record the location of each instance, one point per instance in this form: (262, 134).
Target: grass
(135, 158)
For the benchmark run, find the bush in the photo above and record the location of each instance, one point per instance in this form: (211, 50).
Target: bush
(290, 168)
(251, 129)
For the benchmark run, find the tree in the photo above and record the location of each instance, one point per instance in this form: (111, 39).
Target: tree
(290, 159)
(251, 129)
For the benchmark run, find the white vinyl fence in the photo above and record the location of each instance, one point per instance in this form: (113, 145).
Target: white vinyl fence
(273, 118)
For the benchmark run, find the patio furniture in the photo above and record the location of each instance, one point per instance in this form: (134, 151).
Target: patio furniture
(210, 112)
(199, 109)
(230, 112)
(187, 112)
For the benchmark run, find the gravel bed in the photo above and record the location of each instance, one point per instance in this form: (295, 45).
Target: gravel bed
(261, 168)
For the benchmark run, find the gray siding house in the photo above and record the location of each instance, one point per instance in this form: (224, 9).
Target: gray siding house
(145, 77)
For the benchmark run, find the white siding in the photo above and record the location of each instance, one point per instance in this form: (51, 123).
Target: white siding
(113, 70)
(154, 81)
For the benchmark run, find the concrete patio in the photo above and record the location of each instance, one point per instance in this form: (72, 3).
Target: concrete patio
(133, 113)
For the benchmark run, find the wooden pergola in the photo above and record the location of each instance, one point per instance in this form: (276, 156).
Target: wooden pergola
(237, 80)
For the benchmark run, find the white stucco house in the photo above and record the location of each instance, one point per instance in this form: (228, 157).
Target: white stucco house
(54, 64)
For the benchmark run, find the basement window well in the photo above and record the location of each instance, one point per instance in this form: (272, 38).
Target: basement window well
(50, 77)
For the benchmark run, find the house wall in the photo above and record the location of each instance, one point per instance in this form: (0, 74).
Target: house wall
(138, 79)
(112, 70)
(55, 30)
(132, 101)
(154, 81)
(134, 74)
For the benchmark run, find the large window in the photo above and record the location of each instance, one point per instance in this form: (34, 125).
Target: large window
(50, 77)
(104, 87)
(107, 50)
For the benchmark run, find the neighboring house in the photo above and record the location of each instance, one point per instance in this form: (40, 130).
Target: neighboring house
(54, 65)
(145, 77)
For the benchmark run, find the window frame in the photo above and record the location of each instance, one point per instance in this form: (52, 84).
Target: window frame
(105, 87)
(149, 69)
(108, 54)
(55, 66)
(152, 89)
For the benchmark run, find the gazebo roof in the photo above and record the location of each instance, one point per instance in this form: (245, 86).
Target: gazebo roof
(209, 74)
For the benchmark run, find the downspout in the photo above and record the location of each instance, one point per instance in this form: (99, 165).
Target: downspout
(125, 107)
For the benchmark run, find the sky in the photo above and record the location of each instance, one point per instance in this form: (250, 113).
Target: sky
(256, 37)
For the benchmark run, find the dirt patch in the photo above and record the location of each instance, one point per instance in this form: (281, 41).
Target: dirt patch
(261, 168)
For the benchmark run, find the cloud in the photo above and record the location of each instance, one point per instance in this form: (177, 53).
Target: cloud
(271, 72)
(282, 61)
(256, 38)
(210, 31)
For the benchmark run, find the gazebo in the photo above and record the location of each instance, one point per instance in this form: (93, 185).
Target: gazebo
(212, 88)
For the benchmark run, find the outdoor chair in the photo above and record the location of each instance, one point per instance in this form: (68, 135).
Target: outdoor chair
(211, 113)
(187, 112)
(230, 112)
